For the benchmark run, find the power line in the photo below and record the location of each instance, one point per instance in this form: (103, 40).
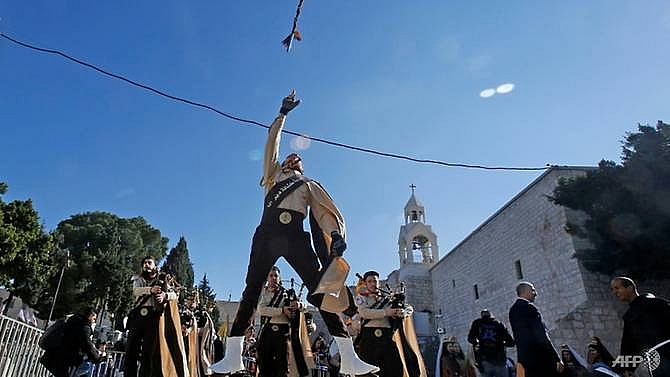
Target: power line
(253, 122)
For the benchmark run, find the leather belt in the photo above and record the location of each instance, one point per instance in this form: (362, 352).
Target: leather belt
(378, 332)
(278, 327)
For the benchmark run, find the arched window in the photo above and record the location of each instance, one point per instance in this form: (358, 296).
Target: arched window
(421, 250)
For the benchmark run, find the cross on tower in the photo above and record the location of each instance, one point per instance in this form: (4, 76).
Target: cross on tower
(412, 187)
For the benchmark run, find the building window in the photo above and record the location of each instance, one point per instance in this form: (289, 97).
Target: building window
(517, 269)
(453, 283)
(476, 292)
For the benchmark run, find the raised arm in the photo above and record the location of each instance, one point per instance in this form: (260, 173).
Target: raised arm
(271, 164)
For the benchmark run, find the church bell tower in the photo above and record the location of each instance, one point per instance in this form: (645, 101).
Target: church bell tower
(417, 244)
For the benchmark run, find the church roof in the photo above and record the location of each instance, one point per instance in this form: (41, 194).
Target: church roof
(413, 202)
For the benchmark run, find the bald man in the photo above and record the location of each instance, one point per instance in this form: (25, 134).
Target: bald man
(535, 352)
(646, 323)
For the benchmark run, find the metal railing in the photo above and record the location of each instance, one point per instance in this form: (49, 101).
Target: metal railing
(112, 366)
(19, 352)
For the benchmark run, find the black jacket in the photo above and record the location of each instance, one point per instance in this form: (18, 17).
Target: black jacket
(76, 344)
(492, 337)
(646, 323)
(534, 348)
(78, 341)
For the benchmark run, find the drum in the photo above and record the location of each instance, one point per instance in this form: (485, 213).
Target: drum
(249, 364)
(320, 371)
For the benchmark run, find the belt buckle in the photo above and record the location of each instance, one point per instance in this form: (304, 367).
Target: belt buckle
(378, 333)
(275, 327)
(144, 312)
(285, 217)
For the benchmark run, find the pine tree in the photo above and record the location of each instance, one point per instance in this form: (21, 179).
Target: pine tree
(208, 299)
(178, 264)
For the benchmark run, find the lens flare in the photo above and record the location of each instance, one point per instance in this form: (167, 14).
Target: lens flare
(505, 88)
(300, 143)
(486, 93)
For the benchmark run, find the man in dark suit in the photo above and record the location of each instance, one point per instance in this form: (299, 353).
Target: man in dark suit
(535, 352)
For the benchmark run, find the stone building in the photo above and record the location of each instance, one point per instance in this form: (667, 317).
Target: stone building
(526, 239)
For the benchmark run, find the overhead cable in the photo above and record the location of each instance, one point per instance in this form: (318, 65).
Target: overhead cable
(253, 122)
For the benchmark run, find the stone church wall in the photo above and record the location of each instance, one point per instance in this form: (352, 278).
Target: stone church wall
(418, 286)
(527, 232)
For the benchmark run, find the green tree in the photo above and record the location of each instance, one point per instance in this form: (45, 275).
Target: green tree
(178, 264)
(104, 252)
(208, 299)
(25, 249)
(628, 207)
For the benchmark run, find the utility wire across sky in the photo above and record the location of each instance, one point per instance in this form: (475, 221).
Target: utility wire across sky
(252, 122)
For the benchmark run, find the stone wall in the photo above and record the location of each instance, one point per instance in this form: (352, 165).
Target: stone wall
(527, 232)
(599, 315)
(418, 286)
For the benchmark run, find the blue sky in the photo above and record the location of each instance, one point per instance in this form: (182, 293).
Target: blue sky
(399, 77)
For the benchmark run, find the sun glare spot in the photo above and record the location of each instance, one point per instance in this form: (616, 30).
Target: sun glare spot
(486, 93)
(300, 143)
(505, 88)
(254, 155)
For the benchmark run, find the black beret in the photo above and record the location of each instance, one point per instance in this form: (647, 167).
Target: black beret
(370, 273)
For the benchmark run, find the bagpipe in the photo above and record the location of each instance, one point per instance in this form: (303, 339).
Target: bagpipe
(167, 283)
(291, 298)
(396, 300)
(293, 301)
(298, 329)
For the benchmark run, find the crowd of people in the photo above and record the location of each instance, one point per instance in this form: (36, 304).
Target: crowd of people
(370, 333)
(165, 339)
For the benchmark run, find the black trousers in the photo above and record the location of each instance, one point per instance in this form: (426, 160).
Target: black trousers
(142, 344)
(272, 240)
(272, 351)
(378, 348)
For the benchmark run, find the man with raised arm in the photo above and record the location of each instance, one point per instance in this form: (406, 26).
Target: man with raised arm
(288, 196)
